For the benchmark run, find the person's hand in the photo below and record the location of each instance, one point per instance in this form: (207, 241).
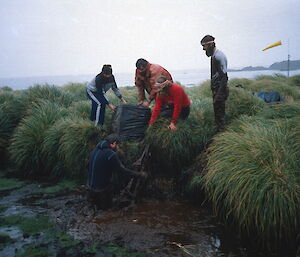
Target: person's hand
(123, 101)
(172, 126)
(142, 174)
(112, 107)
(145, 104)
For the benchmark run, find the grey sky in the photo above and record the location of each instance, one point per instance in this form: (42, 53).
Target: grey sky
(71, 37)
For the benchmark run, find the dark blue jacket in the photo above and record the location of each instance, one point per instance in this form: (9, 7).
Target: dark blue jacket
(103, 161)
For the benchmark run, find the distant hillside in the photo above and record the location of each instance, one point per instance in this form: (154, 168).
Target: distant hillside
(281, 66)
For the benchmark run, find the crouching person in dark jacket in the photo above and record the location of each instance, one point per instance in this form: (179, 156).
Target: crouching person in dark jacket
(102, 163)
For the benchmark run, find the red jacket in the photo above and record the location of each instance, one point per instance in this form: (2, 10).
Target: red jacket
(176, 96)
(147, 80)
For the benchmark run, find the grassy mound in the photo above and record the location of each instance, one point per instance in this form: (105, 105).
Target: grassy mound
(76, 143)
(253, 177)
(172, 151)
(242, 102)
(67, 144)
(281, 111)
(26, 144)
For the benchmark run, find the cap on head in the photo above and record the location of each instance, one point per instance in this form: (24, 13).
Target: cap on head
(208, 39)
(107, 69)
(112, 138)
(161, 82)
(141, 62)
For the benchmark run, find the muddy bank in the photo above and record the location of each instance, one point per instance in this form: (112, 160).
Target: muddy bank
(149, 228)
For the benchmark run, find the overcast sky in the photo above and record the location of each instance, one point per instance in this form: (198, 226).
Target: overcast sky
(72, 37)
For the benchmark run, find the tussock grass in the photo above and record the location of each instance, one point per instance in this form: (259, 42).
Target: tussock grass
(45, 92)
(240, 81)
(26, 144)
(253, 177)
(241, 102)
(199, 92)
(77, 90)
(12, 105)
(171, 151)
(294, 80)
(54, 164)
(290, 93)
(75, 145)
(277, 77)
(6, 130)
(281, 111)
(129, 94)
(81, 108)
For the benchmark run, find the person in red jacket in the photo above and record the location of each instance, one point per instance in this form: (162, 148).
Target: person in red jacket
(145, 77)
(174, 97)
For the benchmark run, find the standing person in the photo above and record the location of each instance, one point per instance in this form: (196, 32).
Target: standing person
(175, 97)
(103, 161)
(219, 79)
(145, 77)
(96, 90)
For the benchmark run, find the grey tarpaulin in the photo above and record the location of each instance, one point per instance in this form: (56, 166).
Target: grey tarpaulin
(130, 121)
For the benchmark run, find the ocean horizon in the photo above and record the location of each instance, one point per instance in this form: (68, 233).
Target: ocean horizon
(192, 77)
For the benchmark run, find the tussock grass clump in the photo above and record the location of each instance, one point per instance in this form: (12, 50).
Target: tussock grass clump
(59, 138)
(294, 80)
(290, 93)
(6, 128)
(171, 151)
(45, 92)
(129, 94)
(12, 105)
(253, 177)
(75, 145)
(281, 111)
(77, 90)
(5, 89)
(277, 77)
(54, 164)
(240, 81)
(26, 144)
(241, 102)
(199, 92)
(129, 152)
(81, 108)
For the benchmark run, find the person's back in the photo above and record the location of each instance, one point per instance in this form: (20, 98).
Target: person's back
(102, 163)
(100, 166)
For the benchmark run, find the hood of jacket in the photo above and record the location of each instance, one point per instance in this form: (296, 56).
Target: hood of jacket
(103, 145)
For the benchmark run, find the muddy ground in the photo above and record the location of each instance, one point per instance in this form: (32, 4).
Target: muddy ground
(148, 228)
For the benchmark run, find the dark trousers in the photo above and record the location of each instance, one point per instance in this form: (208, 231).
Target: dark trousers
(103, 199)
(219, 108)
(99, 103)
(168, 109)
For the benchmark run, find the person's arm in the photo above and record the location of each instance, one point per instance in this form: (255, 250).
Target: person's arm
(139, 83)
(119, 167)
(221, 65)
(178, 98)
(116, 90)
(156, 110)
